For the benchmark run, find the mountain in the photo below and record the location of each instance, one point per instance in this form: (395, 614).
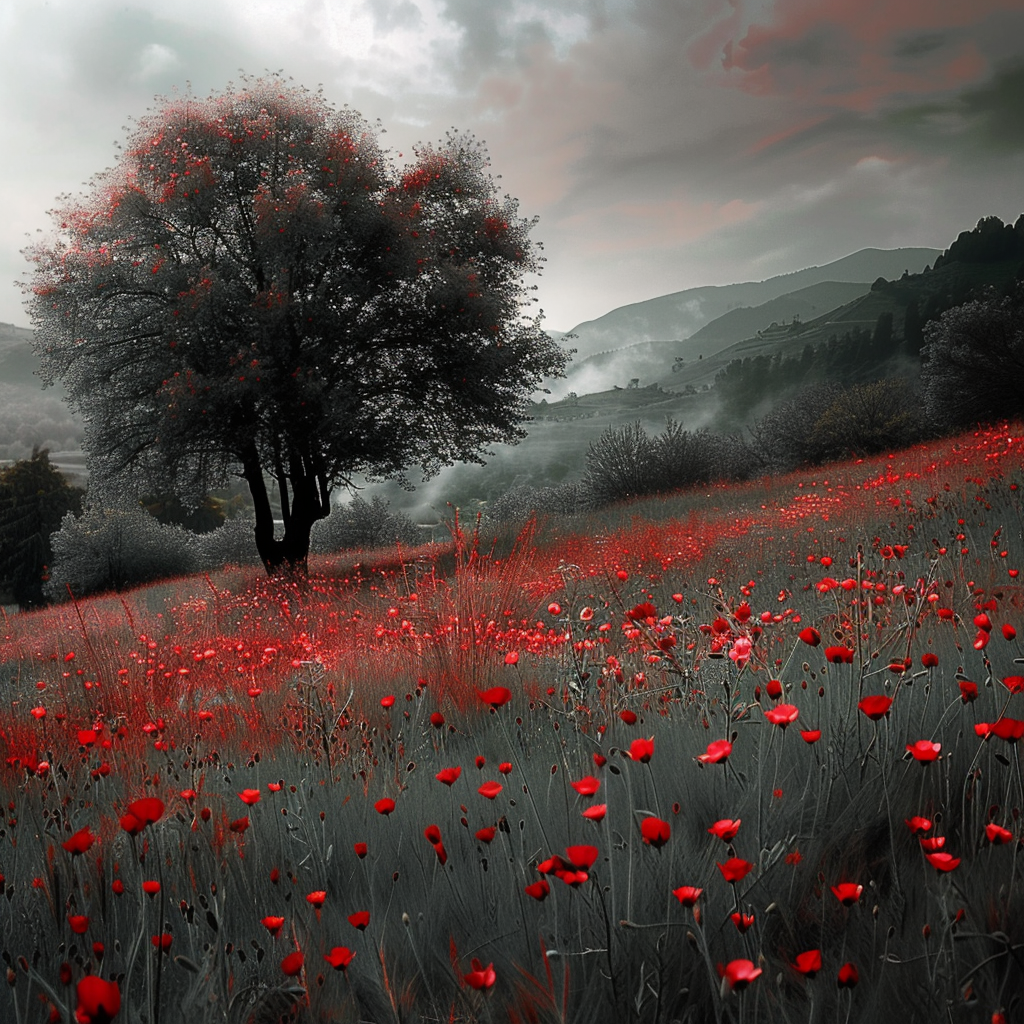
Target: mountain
(680, 315)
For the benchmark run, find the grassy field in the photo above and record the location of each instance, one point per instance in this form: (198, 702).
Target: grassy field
(741, 754)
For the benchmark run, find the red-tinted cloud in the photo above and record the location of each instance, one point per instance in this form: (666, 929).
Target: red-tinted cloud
(857, 54)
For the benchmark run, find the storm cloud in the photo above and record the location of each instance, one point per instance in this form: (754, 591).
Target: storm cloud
(663, 146)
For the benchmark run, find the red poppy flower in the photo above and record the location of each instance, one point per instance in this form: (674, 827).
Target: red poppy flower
(496, 696)
(572, 878)
(388, 701)
(79, 842)
(432, 833)
(930, 844)
(929, 659)
(782, 715)
(924, 751)
(151, 888)
(743, 922)
(141, 813)
(942, 861)
(596, 813)
(512, 658)
(485, 835)
(810, 735)
(717, 752)
(642, 611)
(551, 865)
(449, 775)
(642, 750)
(360, 849)
(480, 761)
(839, 655)
(442, 853)
(810, 636)
(740, 973)
(848, 976)
(968, 691)
(117, 886)
(687, 894)
(847, 893)
(629, 717)
(726, 829)
(996, 834)
(273, 925)
(918, 824)
(79, 923)
(808, 962)
(249, 796)
(735, 869)
(1008, 729)
(239, 825)
(581, 857)
(505, 767)
(384, 806)
(316, 899)
(274, 787)
(587, 786)
(480, 976)
(360, 919)
(292, 963)
(538, 890)
(1009, 633)
(162, 941)
(875, 706)
(490, 789)
(98, 1001)
(1015, 684)
(655, 832)
(339, 957)
(436, 719)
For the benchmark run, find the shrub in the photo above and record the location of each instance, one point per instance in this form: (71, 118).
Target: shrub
(865, 420)
(363, 524)
(519, 503)
(115, 548)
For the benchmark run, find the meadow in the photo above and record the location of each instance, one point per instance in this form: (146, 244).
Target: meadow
(745, 753)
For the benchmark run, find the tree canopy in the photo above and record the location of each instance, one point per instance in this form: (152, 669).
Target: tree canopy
(256, 288)
(974, 361)
(34, 497)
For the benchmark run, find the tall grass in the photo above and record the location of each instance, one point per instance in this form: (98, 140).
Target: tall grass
(682, 621)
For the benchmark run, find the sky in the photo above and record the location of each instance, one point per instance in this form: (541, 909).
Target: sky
(663, 144)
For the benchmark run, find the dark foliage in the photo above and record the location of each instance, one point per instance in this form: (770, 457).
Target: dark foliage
(991, 241)
(974, 362)
(34, 497)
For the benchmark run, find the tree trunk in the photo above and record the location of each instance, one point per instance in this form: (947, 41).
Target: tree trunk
(290, 552)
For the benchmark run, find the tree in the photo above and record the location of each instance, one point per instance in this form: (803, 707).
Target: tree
(256, 289)
(973, 368)
(34, 497)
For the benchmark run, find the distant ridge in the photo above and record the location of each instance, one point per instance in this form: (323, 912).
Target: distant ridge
(680, 315)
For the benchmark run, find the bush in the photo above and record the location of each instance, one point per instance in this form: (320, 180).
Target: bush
(231, 544)
(363, 524)
(116, 548)
(521, 502)
(781, 440)
(865, 420)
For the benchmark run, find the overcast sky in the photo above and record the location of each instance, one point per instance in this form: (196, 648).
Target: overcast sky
(664, 144)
